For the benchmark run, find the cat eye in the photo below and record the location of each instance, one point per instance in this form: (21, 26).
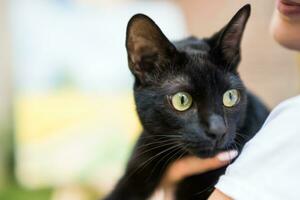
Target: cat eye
(182, 101)
(231, 98)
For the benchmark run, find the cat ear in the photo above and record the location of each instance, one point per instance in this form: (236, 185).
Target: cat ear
(148, 49)
(225, 44)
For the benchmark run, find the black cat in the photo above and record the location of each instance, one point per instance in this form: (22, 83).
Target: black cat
(190, 101)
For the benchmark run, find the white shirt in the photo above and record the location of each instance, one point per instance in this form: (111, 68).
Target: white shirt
(269, 166)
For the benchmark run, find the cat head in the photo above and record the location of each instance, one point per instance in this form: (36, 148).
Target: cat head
(188, 90)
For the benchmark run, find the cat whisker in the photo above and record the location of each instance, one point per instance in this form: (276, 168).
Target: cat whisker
(156, 147)
(160, 160)
(170, 159)
(242, 135)
(238, 142)
(156, 142)
(148, 161)
(160, 136)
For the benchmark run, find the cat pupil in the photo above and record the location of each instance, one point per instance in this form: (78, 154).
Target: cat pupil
(182, 100)
(230, 95)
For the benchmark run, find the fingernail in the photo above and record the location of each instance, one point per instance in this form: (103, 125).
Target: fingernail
(227, 156)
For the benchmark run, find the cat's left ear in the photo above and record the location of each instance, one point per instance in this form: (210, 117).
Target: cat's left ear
(149, 51)
(225, 44)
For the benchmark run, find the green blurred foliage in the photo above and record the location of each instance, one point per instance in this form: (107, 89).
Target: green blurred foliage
(9, 188)
(15, 192)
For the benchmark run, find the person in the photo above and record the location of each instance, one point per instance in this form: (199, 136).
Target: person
(268, 167)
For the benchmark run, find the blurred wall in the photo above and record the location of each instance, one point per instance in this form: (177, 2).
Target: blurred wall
(5, 94)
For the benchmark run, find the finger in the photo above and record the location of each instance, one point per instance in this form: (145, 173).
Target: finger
(227, 156)
(194, 165)
(220, 160)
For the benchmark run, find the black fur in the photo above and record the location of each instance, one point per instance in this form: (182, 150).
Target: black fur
(205, 68)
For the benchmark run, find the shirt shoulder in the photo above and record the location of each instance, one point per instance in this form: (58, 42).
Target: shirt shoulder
(292, 104)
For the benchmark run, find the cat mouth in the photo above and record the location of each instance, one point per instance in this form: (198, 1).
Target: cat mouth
(208, 149)
(206, 153)
(202, 151)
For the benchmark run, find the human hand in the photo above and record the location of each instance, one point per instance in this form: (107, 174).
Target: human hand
(192, 165)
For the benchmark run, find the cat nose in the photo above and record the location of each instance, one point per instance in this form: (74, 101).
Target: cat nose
(216, 126)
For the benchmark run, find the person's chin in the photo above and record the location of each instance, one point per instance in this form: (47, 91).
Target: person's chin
(285, 32)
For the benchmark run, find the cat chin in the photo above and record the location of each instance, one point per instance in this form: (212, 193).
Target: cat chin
(212, 149)
(208, 153)
(204, 153)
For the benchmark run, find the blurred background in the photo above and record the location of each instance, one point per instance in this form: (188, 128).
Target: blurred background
(67, 118)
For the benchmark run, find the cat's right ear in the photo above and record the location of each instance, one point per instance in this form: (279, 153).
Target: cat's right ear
(225, 44)
(149, 51)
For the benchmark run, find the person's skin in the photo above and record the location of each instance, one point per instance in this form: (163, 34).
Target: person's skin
(285, 24)
(179, 170)
(192, 165)
(285, 28)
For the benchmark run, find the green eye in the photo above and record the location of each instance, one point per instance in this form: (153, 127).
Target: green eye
(231, 98)
(182, 101)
